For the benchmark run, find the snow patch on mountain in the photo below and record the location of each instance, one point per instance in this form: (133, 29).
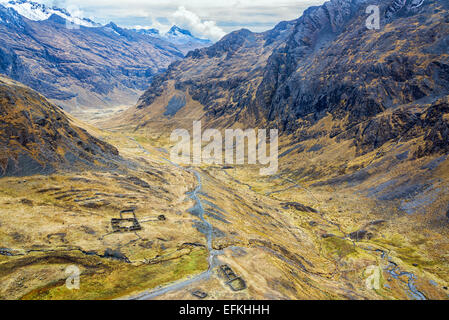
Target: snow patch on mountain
(181, 38)
(38, 12)
(176, 34)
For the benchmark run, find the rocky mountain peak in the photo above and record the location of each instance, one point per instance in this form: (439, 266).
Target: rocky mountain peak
(175, 30)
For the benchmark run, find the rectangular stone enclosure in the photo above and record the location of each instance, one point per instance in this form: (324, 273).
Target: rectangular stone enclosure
(235, 282)
(125, 224)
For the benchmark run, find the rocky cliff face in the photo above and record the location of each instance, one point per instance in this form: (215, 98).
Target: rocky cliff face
(358, 73)
(80, 66)
(37, 137)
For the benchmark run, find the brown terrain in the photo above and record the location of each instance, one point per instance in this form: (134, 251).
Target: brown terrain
(362, 185)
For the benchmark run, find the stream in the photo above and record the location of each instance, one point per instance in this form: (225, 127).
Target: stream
(197, 210)
(394, 271)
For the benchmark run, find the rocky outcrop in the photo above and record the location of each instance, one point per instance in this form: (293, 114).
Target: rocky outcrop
(360, 235)
(298, 206)
(436, 129)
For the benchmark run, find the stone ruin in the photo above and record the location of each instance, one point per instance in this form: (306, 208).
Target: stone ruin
(199, 294)
(235, 282)
(126, 224)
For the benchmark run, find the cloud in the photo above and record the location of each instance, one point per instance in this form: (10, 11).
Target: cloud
(190, 20)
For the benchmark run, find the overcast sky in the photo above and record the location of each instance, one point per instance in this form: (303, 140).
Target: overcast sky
(205, 18)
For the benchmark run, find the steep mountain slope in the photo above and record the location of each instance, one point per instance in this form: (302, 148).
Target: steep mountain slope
(330, 63)
(368, 106)
(222, 78)
(358, 72)
(37, 137)
(351, 103)
(80, 67)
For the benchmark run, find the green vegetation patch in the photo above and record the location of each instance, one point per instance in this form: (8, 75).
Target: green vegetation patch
(339, 247)
(124, 279)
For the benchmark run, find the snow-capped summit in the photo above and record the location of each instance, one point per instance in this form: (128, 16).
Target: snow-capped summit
(183, 39)
(37, 12)
(150, 32)
(183, 36)
(178, 32)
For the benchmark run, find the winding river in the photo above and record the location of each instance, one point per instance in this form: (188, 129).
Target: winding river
(393, 270)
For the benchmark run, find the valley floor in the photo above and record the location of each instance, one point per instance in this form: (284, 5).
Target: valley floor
(285, 238)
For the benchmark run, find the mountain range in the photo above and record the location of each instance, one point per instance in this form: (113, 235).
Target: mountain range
(323, 80)
(79, 64)
(287, 81)
(38, 12)
(183, 39)
(325, 65)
